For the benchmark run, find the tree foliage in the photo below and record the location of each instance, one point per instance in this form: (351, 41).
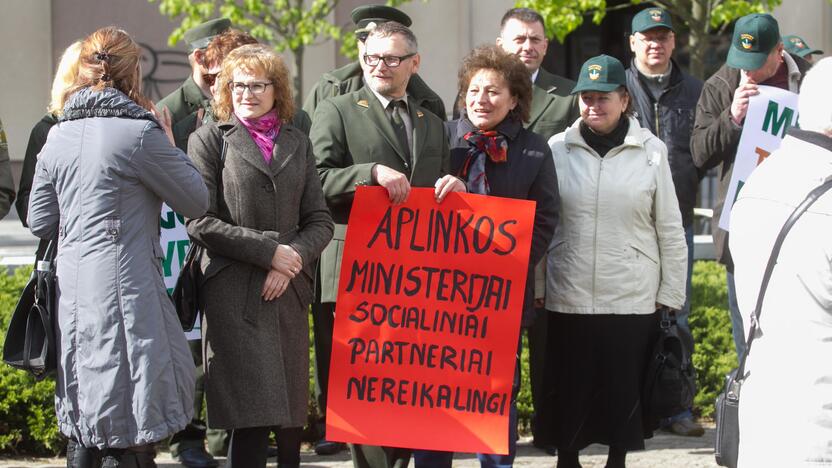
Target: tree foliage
(287, 25)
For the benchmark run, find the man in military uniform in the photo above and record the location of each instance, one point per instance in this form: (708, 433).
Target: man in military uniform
(377, 135)
(195, 92)
(349, 78)
(184, 104)
(6, 182)
(522, 33)
(338, 82)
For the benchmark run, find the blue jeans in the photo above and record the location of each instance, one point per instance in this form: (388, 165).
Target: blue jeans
(682, 319)
(439, 459)
(736, 317)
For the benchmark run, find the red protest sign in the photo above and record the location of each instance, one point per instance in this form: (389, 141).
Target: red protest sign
(427, 321)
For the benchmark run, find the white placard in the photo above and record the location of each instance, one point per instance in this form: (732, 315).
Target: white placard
(175, 243)
(770, 114)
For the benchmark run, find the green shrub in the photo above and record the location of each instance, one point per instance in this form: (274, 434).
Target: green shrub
(714, 355)
(27, 408)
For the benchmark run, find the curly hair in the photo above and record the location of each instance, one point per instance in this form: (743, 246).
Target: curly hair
(509, 66)
(221, 45)
(254, 58)
(109, 58)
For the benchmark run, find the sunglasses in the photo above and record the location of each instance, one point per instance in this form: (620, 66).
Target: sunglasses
(209, 78)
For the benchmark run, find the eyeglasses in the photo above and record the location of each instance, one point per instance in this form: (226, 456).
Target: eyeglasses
(392, 61)
(655, 39)
(210, 78)
(254, 88)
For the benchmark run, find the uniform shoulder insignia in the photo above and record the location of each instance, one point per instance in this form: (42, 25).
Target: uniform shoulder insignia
(363, 103)
(419, 114)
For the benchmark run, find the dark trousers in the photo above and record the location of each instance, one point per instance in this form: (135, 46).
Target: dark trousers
(323, 319)
(439, 459)
(248, 447)
(537, 334)
(373, 456)
(194, 434)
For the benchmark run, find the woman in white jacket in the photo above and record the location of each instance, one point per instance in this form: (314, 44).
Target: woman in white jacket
(618, 255)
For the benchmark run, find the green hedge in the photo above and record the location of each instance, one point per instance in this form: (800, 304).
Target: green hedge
(27, 416)
(27, 409)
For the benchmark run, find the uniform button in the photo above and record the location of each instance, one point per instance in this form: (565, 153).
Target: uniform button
(269, 188)
(113, 232)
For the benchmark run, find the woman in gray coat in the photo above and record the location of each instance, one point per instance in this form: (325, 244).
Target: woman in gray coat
(125, 375)
(266, 224)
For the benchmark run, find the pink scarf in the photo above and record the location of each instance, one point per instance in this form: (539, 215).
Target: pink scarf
(263, 131)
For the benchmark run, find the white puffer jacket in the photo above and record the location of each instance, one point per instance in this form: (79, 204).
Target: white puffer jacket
(619, 247)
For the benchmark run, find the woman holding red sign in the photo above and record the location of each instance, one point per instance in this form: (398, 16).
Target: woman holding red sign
(496, 156)
(618, 255)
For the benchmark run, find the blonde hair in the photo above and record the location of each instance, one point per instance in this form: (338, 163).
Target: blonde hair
(254, 58)
(65, 76)
(109, 58)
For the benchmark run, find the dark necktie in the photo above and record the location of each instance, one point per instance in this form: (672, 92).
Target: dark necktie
(396, 108)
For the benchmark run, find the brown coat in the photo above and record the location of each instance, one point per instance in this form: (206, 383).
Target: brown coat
(256, 352)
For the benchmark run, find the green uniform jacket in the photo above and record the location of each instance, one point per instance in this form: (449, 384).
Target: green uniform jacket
(350, 78)
(553, 111)
(183, 104)
(6, 181)
(352, 133)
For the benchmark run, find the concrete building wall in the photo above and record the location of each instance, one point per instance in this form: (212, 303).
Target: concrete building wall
(809, 19)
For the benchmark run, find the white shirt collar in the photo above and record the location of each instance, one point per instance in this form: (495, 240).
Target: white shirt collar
(386, 101)
(534, 75)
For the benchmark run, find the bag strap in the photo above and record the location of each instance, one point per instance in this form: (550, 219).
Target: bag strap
(810, 199)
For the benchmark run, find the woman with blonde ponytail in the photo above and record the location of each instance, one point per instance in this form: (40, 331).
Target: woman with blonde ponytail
(125, 376)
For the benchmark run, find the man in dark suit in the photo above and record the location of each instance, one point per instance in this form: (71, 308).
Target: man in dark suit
(377, 135)
(522, 32)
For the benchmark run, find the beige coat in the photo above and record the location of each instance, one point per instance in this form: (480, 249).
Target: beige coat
(619, 247)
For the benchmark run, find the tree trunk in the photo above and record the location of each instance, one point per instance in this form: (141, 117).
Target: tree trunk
(298, 53)
(699, 28)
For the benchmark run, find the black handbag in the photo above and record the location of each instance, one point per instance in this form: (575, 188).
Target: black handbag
(185, 294)
(727, 442)
(31, 340)
(670, 380)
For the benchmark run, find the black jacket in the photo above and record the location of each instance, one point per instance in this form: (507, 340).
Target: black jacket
(528, 174)
(671, 119)
(715, 139)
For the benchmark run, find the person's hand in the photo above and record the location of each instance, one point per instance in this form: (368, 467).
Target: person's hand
(164, 119)
(539, 303)
(742, 95)
(286, 260)
(275, 285)
(446, 185)
(396, 183)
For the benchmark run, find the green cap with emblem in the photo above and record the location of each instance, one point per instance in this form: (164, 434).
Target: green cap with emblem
(602, 73)
(797, 46)
(200, 36)
(651, 18)
(366, 17)
(755, 36)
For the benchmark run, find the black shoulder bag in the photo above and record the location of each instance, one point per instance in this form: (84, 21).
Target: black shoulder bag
(727, 442)
(31, 340)
(670, 380)
(185, 295)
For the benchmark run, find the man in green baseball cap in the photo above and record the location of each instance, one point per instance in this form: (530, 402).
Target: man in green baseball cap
(663, 97)
(756, 57)
(797, 46)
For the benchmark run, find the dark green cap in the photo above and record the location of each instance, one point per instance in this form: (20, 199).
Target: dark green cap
(364, 15)
(602, 73)
(755, 36)
(796, 45)
(651, 18)
(200, 36)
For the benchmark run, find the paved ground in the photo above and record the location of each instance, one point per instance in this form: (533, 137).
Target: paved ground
(663, 450)
(17, 244)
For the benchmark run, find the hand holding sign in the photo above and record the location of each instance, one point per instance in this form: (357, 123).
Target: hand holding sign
(446, 185)
(396, 183)
(742, 96)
